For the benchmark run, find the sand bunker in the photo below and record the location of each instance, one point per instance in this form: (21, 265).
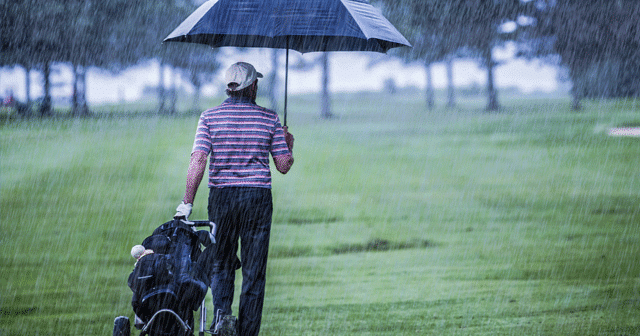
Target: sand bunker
(625, 131)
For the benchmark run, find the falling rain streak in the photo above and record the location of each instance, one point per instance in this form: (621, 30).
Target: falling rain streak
(470, 209)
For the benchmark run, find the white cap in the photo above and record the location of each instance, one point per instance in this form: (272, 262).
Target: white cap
(243, 74)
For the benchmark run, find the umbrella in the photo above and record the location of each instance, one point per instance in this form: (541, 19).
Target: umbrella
(301, 25)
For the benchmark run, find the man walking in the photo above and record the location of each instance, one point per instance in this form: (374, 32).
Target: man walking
(238, 136)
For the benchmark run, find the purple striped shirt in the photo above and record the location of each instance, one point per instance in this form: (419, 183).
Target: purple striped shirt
(239, 135)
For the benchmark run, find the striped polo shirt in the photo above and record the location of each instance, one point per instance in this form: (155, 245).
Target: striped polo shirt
(239, 135)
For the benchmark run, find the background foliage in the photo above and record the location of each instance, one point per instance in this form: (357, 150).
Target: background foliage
(598, 44)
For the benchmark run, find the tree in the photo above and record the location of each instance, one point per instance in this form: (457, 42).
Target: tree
(30, 31)
(116, 34)
(272, 80)
(599, 44)
(13, 48)
(110, 34)
(479, 27)
(159, 19)
(197, 63)
(325, 97)
(441, 28)
(424, 23)
(451, 100)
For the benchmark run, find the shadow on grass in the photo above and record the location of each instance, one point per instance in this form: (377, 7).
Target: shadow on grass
(300, 221)
(381, 245)
(373, 245)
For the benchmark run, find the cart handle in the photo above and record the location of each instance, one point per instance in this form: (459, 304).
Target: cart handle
(211, 225)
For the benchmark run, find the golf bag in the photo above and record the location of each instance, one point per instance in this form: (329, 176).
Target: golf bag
(168, 285)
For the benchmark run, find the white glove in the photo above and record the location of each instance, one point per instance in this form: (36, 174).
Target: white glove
(183, 210)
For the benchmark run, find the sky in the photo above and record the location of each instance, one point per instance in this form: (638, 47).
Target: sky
(348, 72)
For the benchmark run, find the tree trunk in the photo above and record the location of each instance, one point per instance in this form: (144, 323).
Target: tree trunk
(74, 94)
(196, 97)
(173, 94)
(272, 87)
(79, 105)
(577, 88)
(430, 94)
(161, 94)
(576, 101)
(325, 101)
(45, 106)
(492, 95)
(27, 81)
(451, 98)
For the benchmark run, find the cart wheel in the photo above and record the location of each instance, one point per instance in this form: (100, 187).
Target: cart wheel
(121, 326)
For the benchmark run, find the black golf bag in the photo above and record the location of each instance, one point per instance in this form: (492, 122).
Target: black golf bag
(168, 285)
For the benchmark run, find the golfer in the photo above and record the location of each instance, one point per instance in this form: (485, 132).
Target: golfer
(238, 137)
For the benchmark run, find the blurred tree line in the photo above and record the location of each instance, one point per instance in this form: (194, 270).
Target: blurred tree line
(598, 41)
(107, 34)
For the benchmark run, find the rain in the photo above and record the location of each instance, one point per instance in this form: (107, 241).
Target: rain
(478, 178)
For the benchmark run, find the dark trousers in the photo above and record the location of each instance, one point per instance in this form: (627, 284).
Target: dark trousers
(245, 214)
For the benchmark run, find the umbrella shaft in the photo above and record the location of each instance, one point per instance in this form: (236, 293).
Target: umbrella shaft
(286, 82)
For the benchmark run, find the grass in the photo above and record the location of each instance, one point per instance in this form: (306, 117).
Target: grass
(394, 220)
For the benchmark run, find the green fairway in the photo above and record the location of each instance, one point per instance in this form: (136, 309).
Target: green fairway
(393, 220)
